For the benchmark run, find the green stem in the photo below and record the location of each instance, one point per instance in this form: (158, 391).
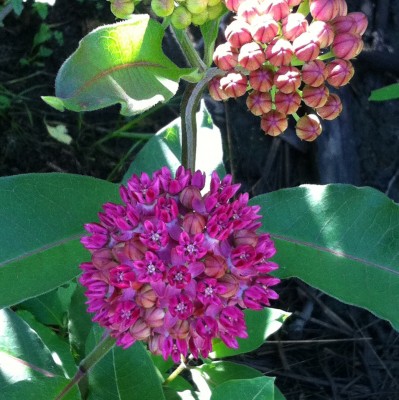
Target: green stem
(326, 56)
(304, 8)
(86, 364)
(189, 105)
(296, 117)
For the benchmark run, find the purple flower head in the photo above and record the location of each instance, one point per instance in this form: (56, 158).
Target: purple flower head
(174, 267)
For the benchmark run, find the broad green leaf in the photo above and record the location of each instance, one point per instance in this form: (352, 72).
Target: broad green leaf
(120, 63)
(390, 92)
(261, 388)
(164, 148)
(60, 133)
(172, 394)
(123, 372)
(42, 217)
(340, 239)
(58, 347)
(210, 32)
(260, 325)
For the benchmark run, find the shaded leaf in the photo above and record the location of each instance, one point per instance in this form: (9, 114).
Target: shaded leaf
(390, 92)
(60, 133)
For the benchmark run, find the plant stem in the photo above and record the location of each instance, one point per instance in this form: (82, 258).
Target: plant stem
(102, 348)
(304, 8)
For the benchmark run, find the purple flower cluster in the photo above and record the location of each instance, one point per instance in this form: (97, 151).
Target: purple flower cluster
(173, 267)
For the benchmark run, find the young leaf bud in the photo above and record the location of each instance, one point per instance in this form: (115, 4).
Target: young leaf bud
(274, 123)
(331, 109)
(308, 127)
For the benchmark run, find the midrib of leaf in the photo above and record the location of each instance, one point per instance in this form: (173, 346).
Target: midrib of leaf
(337, 253)
(115, 374)
(260, 391)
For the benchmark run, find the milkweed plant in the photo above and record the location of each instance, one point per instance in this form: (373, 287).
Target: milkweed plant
(145, 289)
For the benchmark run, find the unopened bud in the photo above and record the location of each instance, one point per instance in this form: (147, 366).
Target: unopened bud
(274, 123)
(306, 47)
(140, 330)
(279, 52)
(264, 29)
(194, 223)
(331, 109)
(234, 84)
(154, 317)
(146, 297)
(215, 11)
(238, 33)
(314, 73)
(339, 72)
(353, 23)
(181, 18)
(278, 9)
(215, 266)
(261, 79)
(215, 91)
(189, 196)
(196, 6)
(248, 11)
(251, 56)
(233, 5)
(315, 96)
(342, 8)
(200, 19)
(293, 3)
(287, 79)
(294, 25)
(322, 32)
(245, 237)
(308, 127)
(259, 102)
(122, 8)
(231, 284)
(162, 8)
(225, 56)
(287, 103)
(347, 45)
(324, 10)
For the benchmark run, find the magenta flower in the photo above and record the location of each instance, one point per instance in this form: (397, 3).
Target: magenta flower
(174, 267)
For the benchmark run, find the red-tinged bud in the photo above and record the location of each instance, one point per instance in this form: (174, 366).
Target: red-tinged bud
(342, 8)
(314, 73)
(287, 79)
(339, 72)
(225, 56)
(248, 11)
(347, 45)
(294, 25)
(140, 330)
(103, 259)
(194, 223)
(216, 91)
(162, 8)
(315, 96)
(274, 123)
(154, 317)
(259, 102)
(215, 266)
(233, 5)
(180, 18)
(231, 283)
(287, 103)
(238, 33)
(278, 9)
(293, 3)
(190, 196)
(234, 84)
(308, 127)
(245, 237)
(196, 6)
(361, 22)
(352, 23)
(324, 10)
(134, 249)
(146, 297)
(261, 79)
(279, 52)
(322, 32)
(306, 47)
(122, 8)
(264, 29)
(251, 56)
(180, 330)
(331, 109)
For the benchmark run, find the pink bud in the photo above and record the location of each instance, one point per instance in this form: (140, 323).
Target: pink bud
(190, 196)
(251, 56)
(225, 56)
(331, 109)
(233, 5)
(154, 317)
(134, 249)
(180, 330)
(287, 103)
(353, 23)
(264, 29)
(339, 72)
(315, 96)
(308, 127)
(215, 266)
(361, 22)
(231, 284)
(245, 237)
(146, 297)
(234, 84)
(294, 25)
(324, 10)
(287, 79)
(238, 33)
(194, 223)
(279, 52)
(248, 11)
(293, 3)
(322, 32)
(306, 47)
(259, 102)
(140, 330)
(215, 90)
(274, 123)
(342, 8)
(261, 79)
(278, 9)
(314, 73)
(347, 45)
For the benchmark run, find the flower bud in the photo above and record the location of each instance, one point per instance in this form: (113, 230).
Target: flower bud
(274, 123)
(287, 103)
(315, 96)
(162, 8)
(264, 29)
(225, 56)
(238, 33)
(234, 84)
(215, 11)
(308, 127)
(245, 237)
(215, 90)
(361, 22)
(189, 196)
(180, 330)
(324, 10)
(231, 283)
(339, 72)
(194, 223)
(342, 8)
(248, 11)
(251, 56)
(322, 32)
(140, 330)
(233, 5)
(347, 45)
(259, 102)
(293, 3)
(196, 6)
(146, 297)
(314, 73)
(279, 52)
(294, 25)
(215, 266)
(200, 19)
(278, 9)
(287, 79)
(154, 317)
(122, 8)
(306, 47)
(331, 109)
(181, 18)
(212, 3)
(261, 79)
(353, 23)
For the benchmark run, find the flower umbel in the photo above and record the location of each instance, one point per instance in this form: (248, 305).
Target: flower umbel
(177, 268)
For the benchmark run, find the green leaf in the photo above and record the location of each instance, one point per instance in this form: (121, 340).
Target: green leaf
(390, 92)
(17, 6)
(60, 133)
(164, 148)
(260, 325)
(340, 239)
(120, 63)
(261, 388)
(43, 35)
(123, 372)
(43, 217)
(210, 31)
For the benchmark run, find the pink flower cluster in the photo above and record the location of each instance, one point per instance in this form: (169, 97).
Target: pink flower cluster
(173, 267)
(279, 53)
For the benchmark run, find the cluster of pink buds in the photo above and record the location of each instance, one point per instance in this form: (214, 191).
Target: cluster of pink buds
(174, 267)
(285, 52)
